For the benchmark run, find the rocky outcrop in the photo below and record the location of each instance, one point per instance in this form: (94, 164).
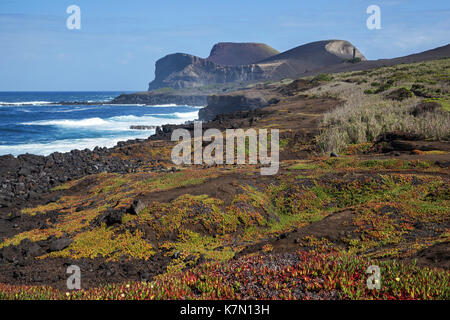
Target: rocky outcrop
(141, 127)
(244, 100)
(407, 142)
(26, 178)
(237, 63)
(182, 70)
(230, 103)
(222, 121)
(151, 98)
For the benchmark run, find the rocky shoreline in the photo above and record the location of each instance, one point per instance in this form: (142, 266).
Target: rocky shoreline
(27, 177)
(149, 98)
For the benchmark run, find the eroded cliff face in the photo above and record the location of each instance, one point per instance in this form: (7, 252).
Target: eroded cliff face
(182, 70)
(226, 64)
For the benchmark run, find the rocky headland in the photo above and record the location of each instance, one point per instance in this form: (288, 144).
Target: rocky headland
(181, 70)
(232, 66)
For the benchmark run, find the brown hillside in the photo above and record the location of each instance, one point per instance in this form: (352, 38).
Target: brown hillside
(235, 54)
(312, 56)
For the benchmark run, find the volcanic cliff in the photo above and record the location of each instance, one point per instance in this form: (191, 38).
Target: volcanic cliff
(246, 62)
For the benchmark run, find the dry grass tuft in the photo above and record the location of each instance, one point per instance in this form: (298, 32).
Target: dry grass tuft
(362, 118)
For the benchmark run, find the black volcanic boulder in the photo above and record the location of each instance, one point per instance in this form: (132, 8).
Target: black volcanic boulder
(25, 250)
(59, 244)
(137, 207)
(110, 217)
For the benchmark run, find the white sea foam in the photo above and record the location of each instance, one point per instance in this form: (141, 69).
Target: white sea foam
(186, 115)
(24, 103)
(117, 123)
(69, 144)
(178, 115)
(66, 111)
(113, 124)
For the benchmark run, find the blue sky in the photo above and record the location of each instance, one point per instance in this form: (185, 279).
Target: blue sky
(120, 41)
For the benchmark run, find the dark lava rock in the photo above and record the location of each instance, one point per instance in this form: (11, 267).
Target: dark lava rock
(114, 217)
(229, 103)
(26, 177)
(283, 236)
(136, 207)
(110, 217)
(52, 199)
(398, 135)
(442, 164)
(154, 98)
(20, 253)
(60, 244)
(4, 202)
(10, 254)
(334, 155)
(141, 127)
(437, 255)
(32, 248)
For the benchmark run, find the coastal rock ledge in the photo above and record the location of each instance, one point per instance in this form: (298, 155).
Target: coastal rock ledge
(151, 98)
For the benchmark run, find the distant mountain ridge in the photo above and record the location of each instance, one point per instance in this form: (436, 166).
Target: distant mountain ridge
(244, 62)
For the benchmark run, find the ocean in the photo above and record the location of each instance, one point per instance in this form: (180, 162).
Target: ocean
(30, 123)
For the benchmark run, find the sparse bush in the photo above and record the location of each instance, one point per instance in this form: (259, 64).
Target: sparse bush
(166, 90)
(400, 94)
(322, 77)
(362, 119)
(384, 86)
(353, 60)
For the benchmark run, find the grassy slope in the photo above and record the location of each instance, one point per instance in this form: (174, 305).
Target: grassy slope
(373, 104)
